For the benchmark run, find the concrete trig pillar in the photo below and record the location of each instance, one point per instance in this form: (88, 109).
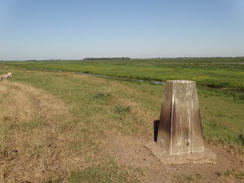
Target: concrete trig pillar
(178, 135)
(180, 129)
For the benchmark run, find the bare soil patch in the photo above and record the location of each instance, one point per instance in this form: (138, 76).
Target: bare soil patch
(130, 151)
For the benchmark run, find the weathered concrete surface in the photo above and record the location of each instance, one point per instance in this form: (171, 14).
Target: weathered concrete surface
(207, 156)
(180, 129)
(179, 138)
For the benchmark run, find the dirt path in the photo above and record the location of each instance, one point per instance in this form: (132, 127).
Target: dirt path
(33, 146)
(130, 151)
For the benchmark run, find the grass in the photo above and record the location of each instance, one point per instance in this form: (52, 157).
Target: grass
(110, 172)
(122, 109)
(58, 123)
(189, 178)
(235, 173)
(225, 73)
(38, 125)
(222, 119)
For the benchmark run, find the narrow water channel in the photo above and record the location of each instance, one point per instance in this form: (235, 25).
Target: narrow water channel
(105, 76)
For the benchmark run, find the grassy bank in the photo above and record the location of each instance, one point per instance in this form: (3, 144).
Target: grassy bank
(59, 125)
(62, 141)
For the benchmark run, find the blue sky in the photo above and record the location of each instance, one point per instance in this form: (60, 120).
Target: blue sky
(75, 29)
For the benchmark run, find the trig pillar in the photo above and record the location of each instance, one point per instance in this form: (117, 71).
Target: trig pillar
(180, 128)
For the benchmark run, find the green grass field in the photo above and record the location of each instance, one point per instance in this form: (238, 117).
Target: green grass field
(225, 73)
(216, 78)
(67, 119)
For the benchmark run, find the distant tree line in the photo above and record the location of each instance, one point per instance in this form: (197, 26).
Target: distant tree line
(104, 58)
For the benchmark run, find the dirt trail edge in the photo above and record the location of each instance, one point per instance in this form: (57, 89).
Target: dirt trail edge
(130, 151)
